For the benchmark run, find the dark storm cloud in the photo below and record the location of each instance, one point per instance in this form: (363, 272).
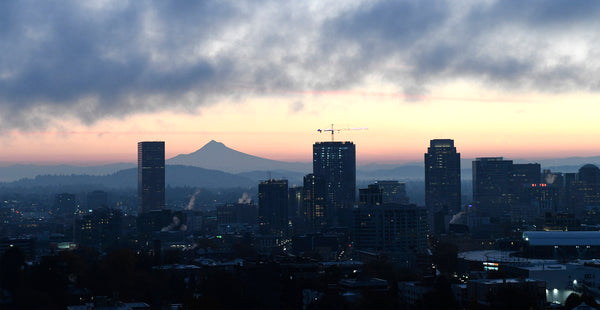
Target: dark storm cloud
(57, 55)
(504, 44)
(96, 59)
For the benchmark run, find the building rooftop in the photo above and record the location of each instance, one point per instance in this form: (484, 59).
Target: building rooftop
(562, 238)
(367, 283)
(501, 257)
(501, 281)
(551, 267)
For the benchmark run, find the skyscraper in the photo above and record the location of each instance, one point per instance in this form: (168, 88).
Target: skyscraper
(589, 176)
(100, 228)
(296, 201)
(492, 187)
(381, 192)
(336, 163)
(523, 177)
(442, 182)
(582, 189)
(501, 188)
(273, 207)
(315, 197)
(370, 196)
(397, 230)
(392, 191)
(151, 176)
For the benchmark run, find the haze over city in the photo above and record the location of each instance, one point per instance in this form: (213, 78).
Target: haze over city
(82, 82)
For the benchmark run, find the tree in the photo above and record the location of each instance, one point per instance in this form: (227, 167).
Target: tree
(572, 301)
(589, 300)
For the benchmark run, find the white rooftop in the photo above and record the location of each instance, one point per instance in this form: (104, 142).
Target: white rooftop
(562, 238)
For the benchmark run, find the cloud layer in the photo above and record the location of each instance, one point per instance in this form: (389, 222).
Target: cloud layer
(95, 59)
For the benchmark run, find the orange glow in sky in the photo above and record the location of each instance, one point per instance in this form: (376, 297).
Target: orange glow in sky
(284, 127)
(84, 82)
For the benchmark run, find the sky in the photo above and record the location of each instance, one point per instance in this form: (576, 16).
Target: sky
(82, 82)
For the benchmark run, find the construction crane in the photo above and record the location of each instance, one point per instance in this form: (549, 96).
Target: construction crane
(333, 130)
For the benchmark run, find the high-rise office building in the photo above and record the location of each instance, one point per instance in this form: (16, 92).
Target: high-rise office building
(573, 199)
(499, 185)
(501, 188)
(273, 207)
(527, 173)
(336, 163)
(442, 176)
(370, 196)
(589, 176)
(315, 198)
(151, 176)
(296, 201)
(535, 194)
(491, 186)
(398, 230)
(582, 189)
(238, 217)
(524, 177)
(392, 191)
(382, 192)
(100, 228)
(442, 183)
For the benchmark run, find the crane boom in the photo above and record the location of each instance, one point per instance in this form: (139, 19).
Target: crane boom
(333, 130)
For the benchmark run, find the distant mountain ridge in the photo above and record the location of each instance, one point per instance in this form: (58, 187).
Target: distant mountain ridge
(175, 175)
(215, 155)
(20, 171)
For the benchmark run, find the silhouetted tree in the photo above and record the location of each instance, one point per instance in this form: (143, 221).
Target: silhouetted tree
(589, 300)
(572, 301)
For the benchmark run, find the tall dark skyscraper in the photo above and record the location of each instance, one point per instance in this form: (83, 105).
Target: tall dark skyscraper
(151, 176)
(273, 207)
(442, 176)
(589, 176)
(524, 176)
(396, 230)
(380, 192)
(499, 185)
(392, 191)
(315, 197)
(492, 186)
(582, 189)
(336, 163)
(296, 201)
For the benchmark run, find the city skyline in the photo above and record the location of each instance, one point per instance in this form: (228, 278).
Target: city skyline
(93, 160)
(454, 161)
(82, 82)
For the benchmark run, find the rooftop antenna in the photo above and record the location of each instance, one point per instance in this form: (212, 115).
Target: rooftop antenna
(333, 130)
